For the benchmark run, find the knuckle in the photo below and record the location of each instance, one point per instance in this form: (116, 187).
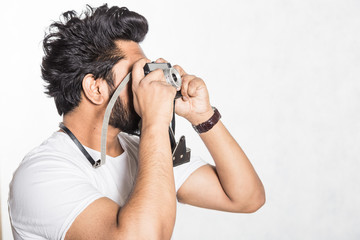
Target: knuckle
(186, 78)
(161, 60)
(140, 63)
(180, 69)
(199, 80)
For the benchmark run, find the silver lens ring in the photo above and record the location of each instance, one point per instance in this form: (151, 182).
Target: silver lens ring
(173, 77)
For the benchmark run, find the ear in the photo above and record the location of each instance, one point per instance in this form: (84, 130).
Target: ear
(93, 89)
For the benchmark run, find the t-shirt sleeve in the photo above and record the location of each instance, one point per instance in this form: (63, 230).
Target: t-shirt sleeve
(46, 196)
(182, 172)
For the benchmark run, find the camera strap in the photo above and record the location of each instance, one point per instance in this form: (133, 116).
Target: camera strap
(105, 124)
(180, 153)
(79, 145)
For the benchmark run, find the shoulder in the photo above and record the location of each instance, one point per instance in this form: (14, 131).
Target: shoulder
(55, 158)
(49, 185)
(45, 166)
(56, 152)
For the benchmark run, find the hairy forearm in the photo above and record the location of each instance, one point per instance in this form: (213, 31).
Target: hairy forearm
(151, 208)
(236, 174)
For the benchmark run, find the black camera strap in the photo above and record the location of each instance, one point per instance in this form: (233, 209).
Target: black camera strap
(180, 153)
(79, 145)
(172, 131)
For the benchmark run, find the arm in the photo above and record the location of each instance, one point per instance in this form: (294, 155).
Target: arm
(150, 210)
(233, 184)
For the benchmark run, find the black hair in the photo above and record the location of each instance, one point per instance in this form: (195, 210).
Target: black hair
(85, 44)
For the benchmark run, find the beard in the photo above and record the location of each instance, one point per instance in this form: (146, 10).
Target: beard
(124, 117)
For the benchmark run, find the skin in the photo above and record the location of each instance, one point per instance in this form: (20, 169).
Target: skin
(232, 185)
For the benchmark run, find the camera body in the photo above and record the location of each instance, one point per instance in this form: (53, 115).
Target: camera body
(172, 76)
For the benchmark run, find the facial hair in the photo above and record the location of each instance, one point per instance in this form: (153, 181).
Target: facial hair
(124, 117)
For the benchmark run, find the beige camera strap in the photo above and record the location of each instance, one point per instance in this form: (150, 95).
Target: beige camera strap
(105, 124)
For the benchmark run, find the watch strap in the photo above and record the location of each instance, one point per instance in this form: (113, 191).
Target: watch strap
(209, 124)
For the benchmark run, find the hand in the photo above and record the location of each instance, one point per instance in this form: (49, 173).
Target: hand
(194, 105)
(153, 97)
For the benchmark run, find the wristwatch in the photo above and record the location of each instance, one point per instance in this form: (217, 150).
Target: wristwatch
(209, 124)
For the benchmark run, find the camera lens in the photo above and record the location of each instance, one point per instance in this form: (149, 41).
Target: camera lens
(174, 77)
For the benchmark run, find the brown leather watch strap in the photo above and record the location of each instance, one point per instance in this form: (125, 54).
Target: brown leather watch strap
(209, 124)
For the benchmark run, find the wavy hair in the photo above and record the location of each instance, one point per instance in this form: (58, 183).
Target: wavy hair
(81, 44)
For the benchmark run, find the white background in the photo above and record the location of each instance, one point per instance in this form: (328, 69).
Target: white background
(285, 75)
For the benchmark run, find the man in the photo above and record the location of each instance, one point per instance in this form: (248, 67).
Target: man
(57, 194)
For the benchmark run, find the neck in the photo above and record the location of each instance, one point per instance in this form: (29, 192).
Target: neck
(87, 129)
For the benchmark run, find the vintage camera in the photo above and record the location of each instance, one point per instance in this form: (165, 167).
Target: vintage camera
(172, 76)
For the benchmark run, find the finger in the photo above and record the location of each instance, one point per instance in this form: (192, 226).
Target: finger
(180, 70)
(165, 87)
(161, 60)
(156, 75)
(195, 85)
(186, 79)
(138, 71)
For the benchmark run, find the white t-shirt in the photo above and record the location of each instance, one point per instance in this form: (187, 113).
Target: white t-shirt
(55, 183)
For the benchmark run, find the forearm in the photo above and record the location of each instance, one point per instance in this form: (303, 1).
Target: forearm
(152, 205)
(236, 174)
